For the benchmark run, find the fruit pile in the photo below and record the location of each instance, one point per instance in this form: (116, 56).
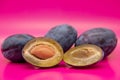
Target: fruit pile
(89, 48)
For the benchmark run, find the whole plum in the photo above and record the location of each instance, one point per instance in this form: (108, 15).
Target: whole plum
(12, 47)
(102, 37)
(64, 34)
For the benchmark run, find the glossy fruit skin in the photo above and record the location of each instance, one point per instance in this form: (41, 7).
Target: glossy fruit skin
(102, 37)
(12, 47)
(64, 34)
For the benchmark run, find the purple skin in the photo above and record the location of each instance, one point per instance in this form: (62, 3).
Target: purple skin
(12, 47)
(102, 37)
(64, 34)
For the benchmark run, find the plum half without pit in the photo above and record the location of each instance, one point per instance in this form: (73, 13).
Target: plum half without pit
(83, 55)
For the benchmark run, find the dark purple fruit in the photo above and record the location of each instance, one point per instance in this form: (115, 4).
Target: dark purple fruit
(43, 52)
(12, 47)
(64, 34)
(83, 55)
(102, 37)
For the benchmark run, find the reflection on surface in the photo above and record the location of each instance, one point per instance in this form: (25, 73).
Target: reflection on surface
(3, 63)
(60, 76)
(46, 76)
(74, 76)
(114, 63)
(24, 71)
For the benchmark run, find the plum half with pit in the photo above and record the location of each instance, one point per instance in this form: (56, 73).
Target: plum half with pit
(64, 34)
(13, 45)
(43, 52)
(102, 37)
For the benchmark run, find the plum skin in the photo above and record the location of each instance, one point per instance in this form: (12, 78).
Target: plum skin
(102, 37)
(64, 34)
(13, 45)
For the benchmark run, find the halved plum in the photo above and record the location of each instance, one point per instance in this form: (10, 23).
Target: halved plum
(43, 52)
(83, 55)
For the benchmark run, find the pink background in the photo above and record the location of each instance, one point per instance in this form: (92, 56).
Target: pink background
(36, 17)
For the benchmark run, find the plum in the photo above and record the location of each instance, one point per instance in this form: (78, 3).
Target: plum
(12, 47)
(64, 34)
(102, 37)
(83, 55)
(43, 52)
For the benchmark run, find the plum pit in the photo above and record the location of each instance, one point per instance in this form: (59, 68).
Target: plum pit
(42, 51)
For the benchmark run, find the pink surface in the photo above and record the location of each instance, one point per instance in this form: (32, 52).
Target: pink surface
(37, 17)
